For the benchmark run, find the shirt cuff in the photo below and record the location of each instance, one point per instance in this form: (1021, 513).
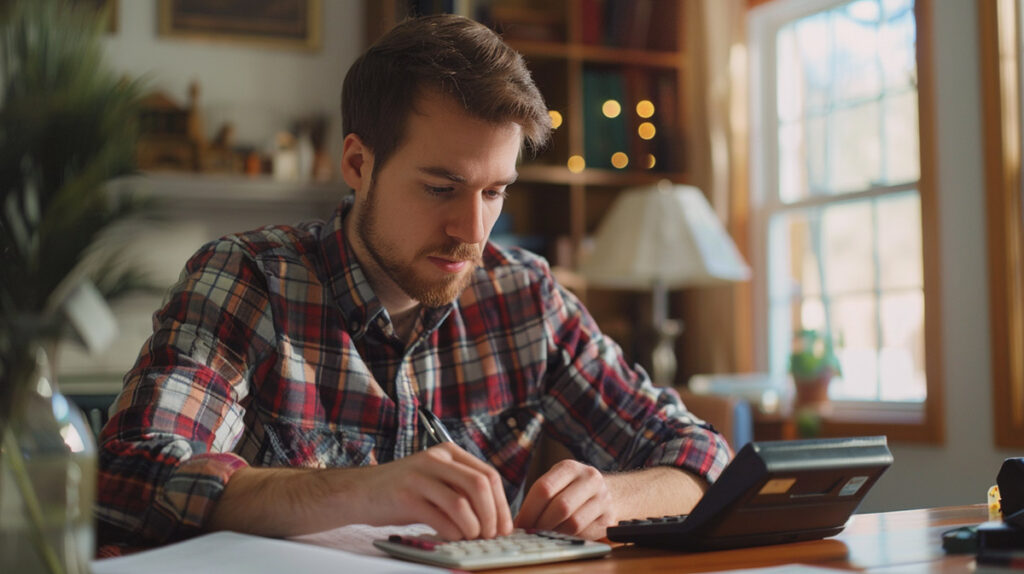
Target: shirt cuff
(187, 498)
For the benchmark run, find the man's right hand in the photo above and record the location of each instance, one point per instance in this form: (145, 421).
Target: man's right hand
(445, 487)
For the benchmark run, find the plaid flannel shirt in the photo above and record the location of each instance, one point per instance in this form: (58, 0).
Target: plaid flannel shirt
(272, 350)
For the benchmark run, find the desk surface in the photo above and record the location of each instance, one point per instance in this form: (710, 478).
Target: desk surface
(904, 541)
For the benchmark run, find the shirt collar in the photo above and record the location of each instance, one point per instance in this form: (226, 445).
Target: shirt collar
(350, 288)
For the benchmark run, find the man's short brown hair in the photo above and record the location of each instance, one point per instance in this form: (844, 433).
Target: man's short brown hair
(462, 59)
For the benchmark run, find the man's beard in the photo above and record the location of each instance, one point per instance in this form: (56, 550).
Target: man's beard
(429, 292)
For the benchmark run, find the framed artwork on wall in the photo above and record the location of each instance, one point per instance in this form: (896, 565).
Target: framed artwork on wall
(291, 24)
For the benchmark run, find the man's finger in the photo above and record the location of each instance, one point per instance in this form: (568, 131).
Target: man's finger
(581, 518)
(543, 491)
(429, 514)
(454, 504)
(472, 480)
(503, 518)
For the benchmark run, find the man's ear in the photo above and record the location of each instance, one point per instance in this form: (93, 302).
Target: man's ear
(356, 163)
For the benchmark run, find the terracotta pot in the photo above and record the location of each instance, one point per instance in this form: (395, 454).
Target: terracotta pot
(812, 392)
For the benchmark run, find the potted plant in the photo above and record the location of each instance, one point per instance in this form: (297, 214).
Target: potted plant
(812, 363)
(67, 127)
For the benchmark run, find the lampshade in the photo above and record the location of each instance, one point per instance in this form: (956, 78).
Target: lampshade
(665, 234)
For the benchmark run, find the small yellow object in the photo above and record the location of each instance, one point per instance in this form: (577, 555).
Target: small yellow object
(611, 108)
(556, 119)
(994, 510)
(644, 108)
(646, 130)
(620, 160)
(576, 164)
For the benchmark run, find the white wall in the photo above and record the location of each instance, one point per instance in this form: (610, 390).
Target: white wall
(960, 471)
(260, 89)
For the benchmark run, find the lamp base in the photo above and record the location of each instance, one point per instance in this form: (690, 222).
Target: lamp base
(663, 358)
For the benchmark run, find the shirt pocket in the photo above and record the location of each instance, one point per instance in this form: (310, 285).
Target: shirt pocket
(320, 446)
(505, 441)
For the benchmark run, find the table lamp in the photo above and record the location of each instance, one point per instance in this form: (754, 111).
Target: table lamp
(660, 238)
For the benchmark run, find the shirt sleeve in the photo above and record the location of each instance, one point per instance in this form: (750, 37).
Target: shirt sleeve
(165, 454)
(591, 391)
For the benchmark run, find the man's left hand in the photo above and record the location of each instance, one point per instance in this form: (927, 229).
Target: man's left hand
(571, 498)
(577, 499)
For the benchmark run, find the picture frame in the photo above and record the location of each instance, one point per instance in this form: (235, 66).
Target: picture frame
(288, 24)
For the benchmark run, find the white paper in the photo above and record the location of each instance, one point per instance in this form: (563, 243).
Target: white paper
(359, 538)
(233, 553)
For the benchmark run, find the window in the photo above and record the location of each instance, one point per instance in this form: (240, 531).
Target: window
(839, 197)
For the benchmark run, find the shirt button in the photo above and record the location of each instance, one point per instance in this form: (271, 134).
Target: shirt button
(511, 422)
(355, 325)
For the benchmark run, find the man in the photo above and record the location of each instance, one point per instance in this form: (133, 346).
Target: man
(289, 374)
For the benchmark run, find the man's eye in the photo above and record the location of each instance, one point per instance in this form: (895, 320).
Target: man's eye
(439, 190)
(496, 193)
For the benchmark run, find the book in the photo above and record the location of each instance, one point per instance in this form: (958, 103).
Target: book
(603, 136)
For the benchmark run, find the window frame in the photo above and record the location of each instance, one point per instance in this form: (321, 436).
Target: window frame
(999, 24)
(912, 422)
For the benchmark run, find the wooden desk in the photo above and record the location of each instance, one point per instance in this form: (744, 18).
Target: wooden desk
(904, 541)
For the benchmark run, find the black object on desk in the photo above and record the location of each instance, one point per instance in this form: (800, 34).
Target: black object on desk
(772, 492)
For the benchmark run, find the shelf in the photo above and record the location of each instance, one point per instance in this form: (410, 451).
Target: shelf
(199, 187)
(561, 175)
(593, 54)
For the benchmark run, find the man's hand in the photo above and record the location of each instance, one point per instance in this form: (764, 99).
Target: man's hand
(445, 487)
(577, 499)
(572, 498)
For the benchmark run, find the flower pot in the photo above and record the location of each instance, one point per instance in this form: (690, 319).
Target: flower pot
(47, 477)
(811, 393)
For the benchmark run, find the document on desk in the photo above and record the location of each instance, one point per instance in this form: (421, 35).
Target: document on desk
(359, 538)
(233, 553)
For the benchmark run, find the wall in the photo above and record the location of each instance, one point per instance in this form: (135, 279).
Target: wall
(960, 471)
(260, 89)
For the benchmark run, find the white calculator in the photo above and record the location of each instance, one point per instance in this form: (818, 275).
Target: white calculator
(520, 548)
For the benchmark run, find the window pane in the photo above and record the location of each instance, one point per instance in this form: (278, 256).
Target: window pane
(789, 81)
(815, 60)
(901, 358)
(792, 170)
(844, 239)
(853, 329)
(897, 40)
(901, 139)
(857, 71)
(797, 254)
(812, 315)
(853, 148)
(899, 242)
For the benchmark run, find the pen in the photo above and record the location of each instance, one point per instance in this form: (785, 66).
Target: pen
(435, 428)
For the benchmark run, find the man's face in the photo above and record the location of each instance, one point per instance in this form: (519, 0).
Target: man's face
(424, 219)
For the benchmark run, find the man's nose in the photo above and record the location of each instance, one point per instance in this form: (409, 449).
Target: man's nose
(466, 221)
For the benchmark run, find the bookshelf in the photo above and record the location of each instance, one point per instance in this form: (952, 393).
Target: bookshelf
(582, 53)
